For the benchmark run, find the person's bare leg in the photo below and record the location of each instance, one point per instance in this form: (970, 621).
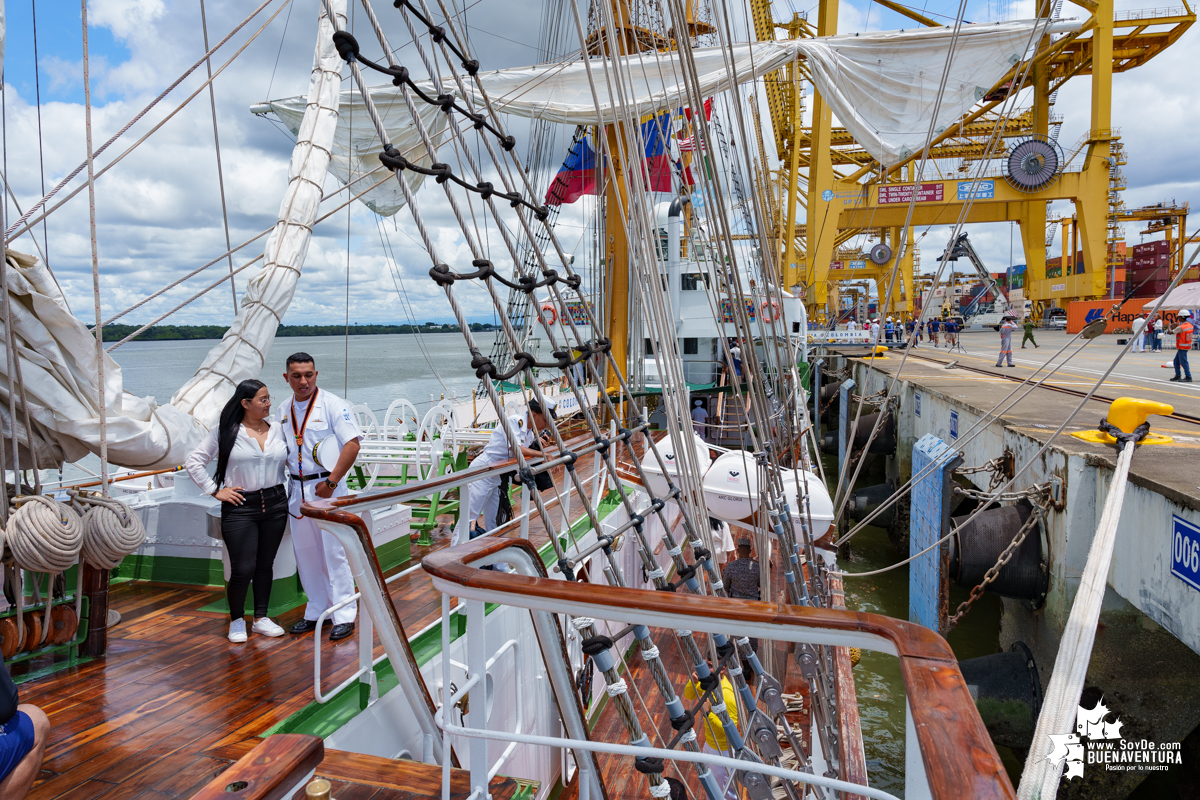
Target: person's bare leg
(19, 781)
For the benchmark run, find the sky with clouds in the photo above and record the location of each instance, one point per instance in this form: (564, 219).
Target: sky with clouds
(159, 209)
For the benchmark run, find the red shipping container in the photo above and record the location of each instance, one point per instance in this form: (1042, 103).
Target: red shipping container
(1152, 274)
(1141, 262)
(1151, 248)
(1151, 288)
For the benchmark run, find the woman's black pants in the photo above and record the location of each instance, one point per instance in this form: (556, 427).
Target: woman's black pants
(252, 533)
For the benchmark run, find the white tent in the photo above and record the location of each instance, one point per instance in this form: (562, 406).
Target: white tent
(1185, 295)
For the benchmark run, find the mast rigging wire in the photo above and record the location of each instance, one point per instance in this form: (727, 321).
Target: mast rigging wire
(212, 99)
(91, 187)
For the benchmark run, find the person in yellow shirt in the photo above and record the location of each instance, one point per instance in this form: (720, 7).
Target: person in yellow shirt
(712, 733)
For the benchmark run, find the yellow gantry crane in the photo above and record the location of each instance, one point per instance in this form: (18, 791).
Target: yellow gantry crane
(840, 205)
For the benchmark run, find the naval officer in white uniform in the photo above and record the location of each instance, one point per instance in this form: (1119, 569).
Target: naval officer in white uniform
(484, 493)
(309, 417)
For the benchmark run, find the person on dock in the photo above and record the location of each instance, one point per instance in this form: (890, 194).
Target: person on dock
(1156, 343)
(914, 332)
(1007, 326)
(485, 493)
(1028, 337)
(1183, 343)
(23, 735)
(874, 331)
(314, 420)
(933, 331)
(1138, 328)
(889, 328)
(251, 454)
(951, 332)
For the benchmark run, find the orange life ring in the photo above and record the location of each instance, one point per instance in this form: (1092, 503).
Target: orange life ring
(551, 313)
(774, 304)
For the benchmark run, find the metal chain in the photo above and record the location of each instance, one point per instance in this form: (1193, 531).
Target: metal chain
(1039, 510)
(995, 467)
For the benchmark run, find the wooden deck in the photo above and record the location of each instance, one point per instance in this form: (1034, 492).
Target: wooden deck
(173, 703)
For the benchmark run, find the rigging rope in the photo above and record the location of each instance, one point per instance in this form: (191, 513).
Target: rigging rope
(212, 99)
(43, 535)
(111, 531)
(91, 187)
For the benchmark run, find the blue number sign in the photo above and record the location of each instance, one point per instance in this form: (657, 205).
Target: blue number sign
(953, 424)
(917, 398)
(1185, 551)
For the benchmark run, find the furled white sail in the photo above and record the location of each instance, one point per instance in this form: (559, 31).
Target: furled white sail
(58, 368)
(881, 86)
(356, 148)
(243, 350)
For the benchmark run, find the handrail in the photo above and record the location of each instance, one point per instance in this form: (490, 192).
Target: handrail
(416, 489)
(957, 753)
(274, 769)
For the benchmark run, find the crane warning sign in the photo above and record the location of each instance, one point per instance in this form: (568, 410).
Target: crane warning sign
(903, 193)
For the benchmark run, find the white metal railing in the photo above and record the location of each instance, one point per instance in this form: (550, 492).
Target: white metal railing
(482, 772)
(366, 658)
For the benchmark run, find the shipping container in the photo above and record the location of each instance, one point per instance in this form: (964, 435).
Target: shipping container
(1160, 247)
(1080, 312)
(1151, 288)
(1151, 274)
(1154, 260)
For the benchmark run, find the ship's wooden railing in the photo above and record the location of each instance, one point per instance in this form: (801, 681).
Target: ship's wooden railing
(274, 770)
(949, 753)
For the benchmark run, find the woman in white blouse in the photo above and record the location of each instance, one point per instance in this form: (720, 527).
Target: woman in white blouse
(251, 453)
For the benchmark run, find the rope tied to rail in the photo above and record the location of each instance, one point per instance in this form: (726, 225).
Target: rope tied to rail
(111, 530)
(44, 535)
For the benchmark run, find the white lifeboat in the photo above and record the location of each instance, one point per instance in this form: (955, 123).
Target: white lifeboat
(731, 492)
(731, 486)
(656, 480)
(819, 502)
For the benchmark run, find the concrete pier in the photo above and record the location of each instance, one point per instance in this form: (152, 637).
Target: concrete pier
(1146, 660)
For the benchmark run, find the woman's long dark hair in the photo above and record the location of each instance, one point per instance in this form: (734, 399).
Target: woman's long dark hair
(231, 419)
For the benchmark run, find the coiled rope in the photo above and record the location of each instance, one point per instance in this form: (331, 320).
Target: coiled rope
(110, 531)
(43, 535)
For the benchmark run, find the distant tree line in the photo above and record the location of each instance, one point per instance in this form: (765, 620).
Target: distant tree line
(160, 333)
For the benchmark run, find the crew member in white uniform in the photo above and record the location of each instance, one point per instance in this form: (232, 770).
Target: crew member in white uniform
(485, 492)
(309, 417)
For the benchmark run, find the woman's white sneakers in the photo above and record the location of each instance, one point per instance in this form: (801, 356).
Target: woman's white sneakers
(267, 627)
(263, 627)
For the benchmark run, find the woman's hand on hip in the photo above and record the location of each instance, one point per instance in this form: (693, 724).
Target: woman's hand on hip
(230, 494)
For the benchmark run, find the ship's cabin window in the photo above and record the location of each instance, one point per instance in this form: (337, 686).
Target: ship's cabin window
(690, 346)
(690, 281)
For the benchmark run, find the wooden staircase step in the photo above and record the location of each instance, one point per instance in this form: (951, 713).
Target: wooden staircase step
(416, 779)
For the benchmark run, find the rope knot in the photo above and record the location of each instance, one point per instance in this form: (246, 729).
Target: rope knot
(346, 45)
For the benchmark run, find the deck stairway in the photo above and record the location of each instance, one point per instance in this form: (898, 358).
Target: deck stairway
(272, 767)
